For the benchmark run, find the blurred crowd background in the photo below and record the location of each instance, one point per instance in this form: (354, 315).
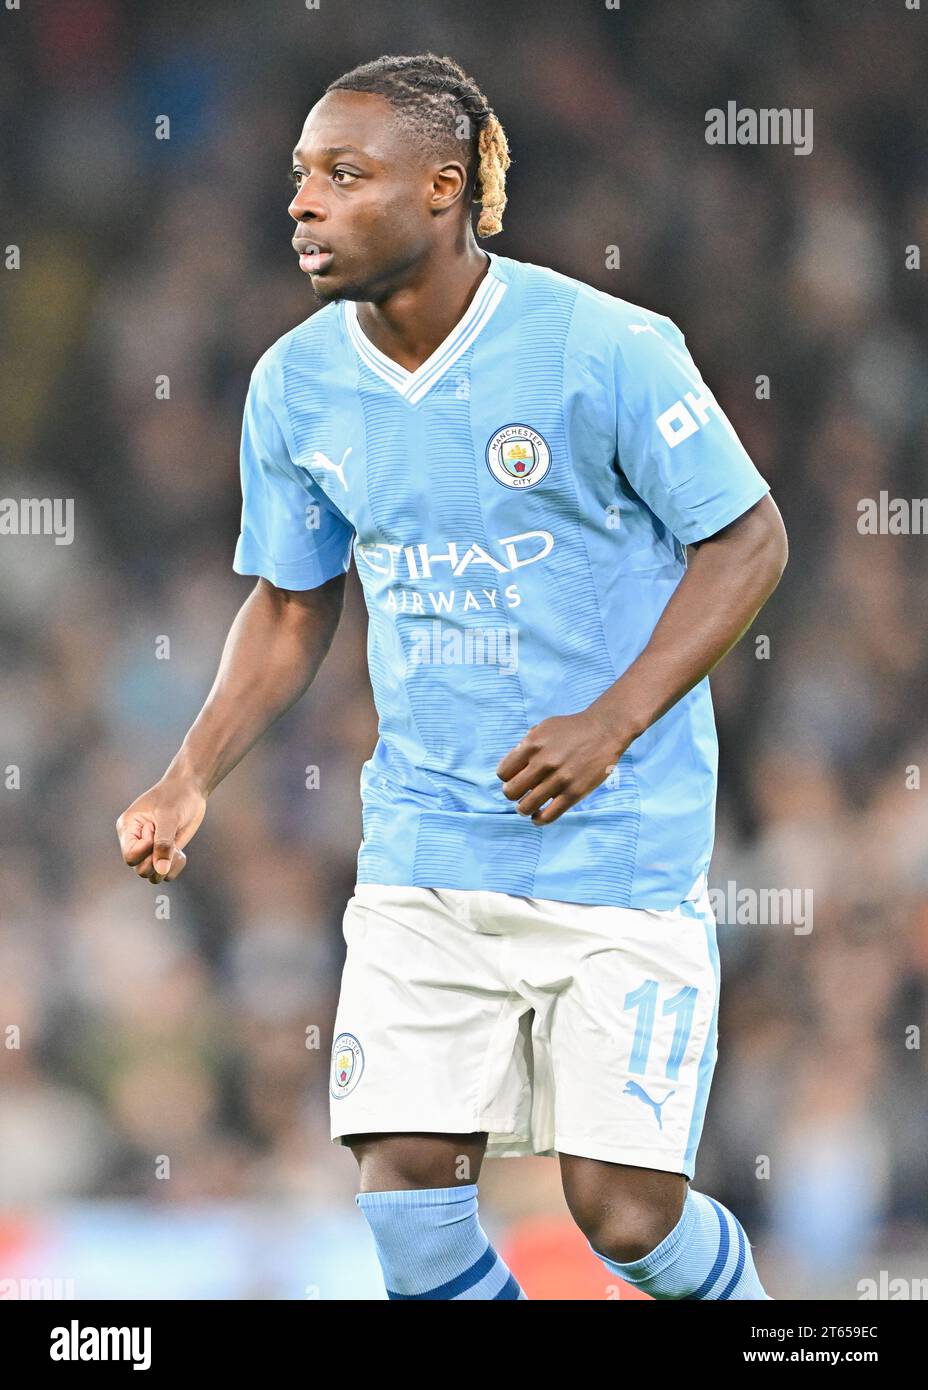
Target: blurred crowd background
(180, 1031)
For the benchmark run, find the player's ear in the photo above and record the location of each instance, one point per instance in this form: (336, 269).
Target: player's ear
(449, 182)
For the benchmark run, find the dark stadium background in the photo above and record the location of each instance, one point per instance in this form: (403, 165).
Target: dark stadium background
(140, 1036)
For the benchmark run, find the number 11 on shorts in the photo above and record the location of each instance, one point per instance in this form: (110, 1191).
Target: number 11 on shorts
(644, 1000)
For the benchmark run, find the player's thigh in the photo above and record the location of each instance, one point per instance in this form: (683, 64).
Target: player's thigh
(390, 1162)
(426, 1026)
(634, 1041)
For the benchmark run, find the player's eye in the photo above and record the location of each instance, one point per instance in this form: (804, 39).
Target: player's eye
(347, 173)
(295, 177)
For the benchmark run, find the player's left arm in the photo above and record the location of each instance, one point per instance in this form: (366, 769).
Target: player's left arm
(729, 578)
(683, 458)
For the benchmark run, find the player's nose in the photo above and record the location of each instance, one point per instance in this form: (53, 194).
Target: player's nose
(306, 204)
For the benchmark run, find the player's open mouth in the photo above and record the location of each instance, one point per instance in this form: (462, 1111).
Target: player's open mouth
(312, 259)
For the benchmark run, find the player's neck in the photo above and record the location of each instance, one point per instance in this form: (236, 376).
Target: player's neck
(410, 323)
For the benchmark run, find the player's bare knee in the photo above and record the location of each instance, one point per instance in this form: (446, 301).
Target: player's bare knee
(626, 1231)
(623, 1214)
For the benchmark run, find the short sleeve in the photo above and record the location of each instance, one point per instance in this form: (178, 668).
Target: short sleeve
(674, 442)
(290, 532)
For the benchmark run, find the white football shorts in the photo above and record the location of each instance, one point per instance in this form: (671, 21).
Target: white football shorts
(552, 1026)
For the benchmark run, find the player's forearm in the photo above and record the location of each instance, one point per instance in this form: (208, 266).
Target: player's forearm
(728, 580)
(274, 648)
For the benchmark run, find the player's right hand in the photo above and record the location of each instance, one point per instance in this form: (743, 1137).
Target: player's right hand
(155, 828)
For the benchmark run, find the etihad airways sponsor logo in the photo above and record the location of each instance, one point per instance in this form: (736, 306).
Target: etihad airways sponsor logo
(420, 561)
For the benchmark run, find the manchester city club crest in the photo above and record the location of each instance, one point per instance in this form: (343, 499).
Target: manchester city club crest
(347, 1065)
(518, 456)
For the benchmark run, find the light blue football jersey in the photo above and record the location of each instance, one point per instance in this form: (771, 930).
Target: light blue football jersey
(518, 508)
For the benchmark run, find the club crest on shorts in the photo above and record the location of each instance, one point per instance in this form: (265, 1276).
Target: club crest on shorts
(518, 456)
(347, 1065)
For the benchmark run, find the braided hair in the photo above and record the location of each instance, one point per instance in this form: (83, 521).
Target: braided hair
(443, 104)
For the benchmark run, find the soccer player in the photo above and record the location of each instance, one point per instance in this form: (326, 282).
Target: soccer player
(518, 462)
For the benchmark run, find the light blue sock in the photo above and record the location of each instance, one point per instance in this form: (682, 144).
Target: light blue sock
(431, 1245)
(706, 1256)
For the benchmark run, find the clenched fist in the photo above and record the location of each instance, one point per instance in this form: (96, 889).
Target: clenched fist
(155, 828)
(559, 762)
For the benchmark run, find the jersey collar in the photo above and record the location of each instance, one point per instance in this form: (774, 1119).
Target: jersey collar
(414, 385)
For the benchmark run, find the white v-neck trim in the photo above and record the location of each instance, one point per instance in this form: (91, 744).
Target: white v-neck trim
(414, 385)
